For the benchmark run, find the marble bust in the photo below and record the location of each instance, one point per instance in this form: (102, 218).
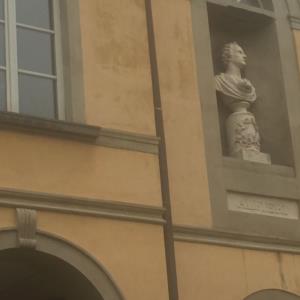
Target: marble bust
(231, 83)
(239, 94)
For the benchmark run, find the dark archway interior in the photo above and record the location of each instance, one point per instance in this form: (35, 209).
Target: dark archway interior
(272, 295)
(32, 275)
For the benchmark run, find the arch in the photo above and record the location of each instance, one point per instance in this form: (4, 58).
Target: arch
(272, 294)
(71, 254)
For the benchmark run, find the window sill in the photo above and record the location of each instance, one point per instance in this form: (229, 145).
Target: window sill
(96, 135)
(57, 128)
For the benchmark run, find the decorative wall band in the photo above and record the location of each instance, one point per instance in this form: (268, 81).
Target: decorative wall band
(57, 128)
(294, 13)
(295, 22)
(82, 206)
(127, 140)
(235, 240)
(80, 132)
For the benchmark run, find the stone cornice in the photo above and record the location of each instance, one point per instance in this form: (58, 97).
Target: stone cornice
(294, 13)
(81, 132)
(294, 22)
(234, 239)
(128, 140)
(15, 121)
(82, 206)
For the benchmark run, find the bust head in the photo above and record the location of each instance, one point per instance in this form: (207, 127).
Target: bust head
(231, 83)
(234, 54)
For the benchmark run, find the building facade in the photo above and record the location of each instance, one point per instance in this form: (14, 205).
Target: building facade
(117, 180)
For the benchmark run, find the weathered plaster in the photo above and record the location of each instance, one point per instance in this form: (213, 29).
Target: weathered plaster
(132, 252)
(223, 273)
(117, 78)
(182, 112)
(37, 163)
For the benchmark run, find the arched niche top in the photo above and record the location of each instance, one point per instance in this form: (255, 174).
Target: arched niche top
(71, 254)
(272, 294)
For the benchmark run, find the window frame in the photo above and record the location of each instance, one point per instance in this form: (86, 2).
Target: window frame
(12, 69)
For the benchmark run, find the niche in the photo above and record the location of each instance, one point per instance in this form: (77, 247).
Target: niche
(256, 33)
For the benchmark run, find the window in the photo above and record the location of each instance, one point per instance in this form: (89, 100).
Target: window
(30, 58)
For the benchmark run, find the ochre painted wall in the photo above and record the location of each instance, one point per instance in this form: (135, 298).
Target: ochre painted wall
(223, 273)
(181, 112)
(117, 76)
(50, 165)
(7, 217)
(133, 253)
(296, 34)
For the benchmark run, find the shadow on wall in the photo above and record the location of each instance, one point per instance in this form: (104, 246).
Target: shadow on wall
(272, 295)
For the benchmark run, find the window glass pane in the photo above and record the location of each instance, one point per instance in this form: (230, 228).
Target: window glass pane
(34, 12)
(2, 9)
(2, 90)
(2, 45)
(37, 96)
(35, 51)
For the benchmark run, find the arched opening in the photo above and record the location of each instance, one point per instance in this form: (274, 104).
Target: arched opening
(29, 274)
(272, 294)
(56, 268)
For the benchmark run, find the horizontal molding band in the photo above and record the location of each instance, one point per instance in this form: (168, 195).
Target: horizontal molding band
(235, 240)
(82, 206)
(16, 121)
(295, 22)
(129, 141)
(81, 132)
(294, 13)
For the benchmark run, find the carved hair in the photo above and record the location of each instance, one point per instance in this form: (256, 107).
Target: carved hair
(227, 52)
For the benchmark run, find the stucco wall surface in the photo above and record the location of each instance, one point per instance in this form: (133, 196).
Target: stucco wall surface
(181, 112)
(223, 273)
(118, 87)
(50, 165)
(132, 253)
(7, 217)
(296, 34)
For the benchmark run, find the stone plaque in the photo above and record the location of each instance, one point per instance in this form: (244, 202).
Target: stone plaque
(260, 205)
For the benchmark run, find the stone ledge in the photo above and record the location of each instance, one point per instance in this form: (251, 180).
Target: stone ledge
(15, 121)
(82, 206)
(234, 239)
(294, 22)
(294, 13)
(128, 140)
(80, 132)
(258, 168)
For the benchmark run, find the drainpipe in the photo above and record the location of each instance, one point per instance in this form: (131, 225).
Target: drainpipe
(164, 176)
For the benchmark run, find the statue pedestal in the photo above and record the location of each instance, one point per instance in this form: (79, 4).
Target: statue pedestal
(254, 156)
(243, 137)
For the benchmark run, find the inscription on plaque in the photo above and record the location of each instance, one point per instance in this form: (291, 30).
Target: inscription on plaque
(267, 206)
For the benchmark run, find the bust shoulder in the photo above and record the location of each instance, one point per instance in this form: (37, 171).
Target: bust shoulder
(235, 87)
